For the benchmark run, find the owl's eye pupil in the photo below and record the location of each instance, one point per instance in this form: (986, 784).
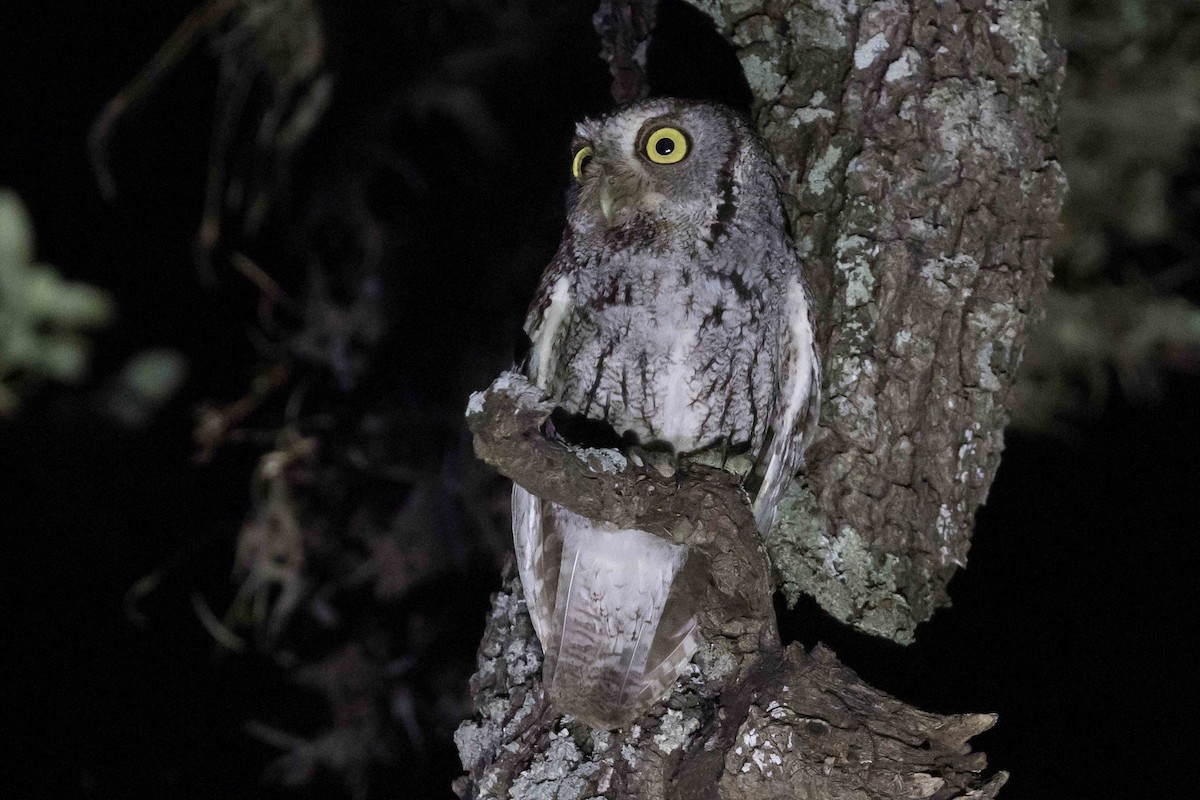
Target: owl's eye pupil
(583, 163)
(666, 145)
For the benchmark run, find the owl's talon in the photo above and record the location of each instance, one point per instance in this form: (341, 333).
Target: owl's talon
(664, 463)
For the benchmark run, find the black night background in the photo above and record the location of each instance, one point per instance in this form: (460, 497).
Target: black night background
(387, 266)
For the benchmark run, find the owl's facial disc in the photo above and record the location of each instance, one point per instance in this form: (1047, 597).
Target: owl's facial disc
(618, 174)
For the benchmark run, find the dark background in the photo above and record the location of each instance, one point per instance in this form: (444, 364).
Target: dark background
(1075, 621)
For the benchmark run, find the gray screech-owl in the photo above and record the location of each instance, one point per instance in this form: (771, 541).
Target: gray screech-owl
(675, 310)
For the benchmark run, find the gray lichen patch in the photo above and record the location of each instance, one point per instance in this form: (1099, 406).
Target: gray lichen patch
(762, 72)
(994, 327)
(559, 772)
(854, 262)
(906, 66)
(815, 110)
(968, 116)
(603, 460)
(854, 583)
(870, 50)
(822, 24)
(714, 663)
(1019, 23)
(677, 728)
(760, 750)
(509, 657)
(509, 382)
(819, 180)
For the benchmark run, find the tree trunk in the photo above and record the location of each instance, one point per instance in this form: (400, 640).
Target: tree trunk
(916, 141)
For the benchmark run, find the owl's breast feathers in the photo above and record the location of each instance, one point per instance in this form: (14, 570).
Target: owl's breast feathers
(672, 348)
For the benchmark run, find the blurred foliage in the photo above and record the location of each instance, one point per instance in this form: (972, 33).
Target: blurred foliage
(347, 141)
(44, 319)
(1093, 342)
(1121, 312)
(272, 77)
(141, 388)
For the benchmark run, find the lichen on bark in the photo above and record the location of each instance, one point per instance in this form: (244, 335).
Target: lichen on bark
(916, 140)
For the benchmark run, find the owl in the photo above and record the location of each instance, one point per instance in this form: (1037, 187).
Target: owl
(675, 311)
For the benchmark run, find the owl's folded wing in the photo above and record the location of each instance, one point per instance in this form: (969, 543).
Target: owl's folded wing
(617, 624)
(623, 618)
(795, 419)
(537, 561)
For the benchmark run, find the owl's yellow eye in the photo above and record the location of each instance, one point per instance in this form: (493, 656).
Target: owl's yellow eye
(666, 146)
(582, 158)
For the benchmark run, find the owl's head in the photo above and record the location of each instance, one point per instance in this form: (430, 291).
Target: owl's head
(668, 166)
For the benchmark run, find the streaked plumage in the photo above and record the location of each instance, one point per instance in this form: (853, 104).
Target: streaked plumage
(675, 310)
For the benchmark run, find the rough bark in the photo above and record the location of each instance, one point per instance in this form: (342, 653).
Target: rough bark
(624, 28)
(916, 143)
(916, 138)
(751, 720)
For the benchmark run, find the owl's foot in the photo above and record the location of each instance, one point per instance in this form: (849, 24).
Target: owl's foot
(735, 458)
(663, 462)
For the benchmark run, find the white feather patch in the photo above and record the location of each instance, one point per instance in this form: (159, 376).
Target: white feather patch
(527, 539)
(545, 334)
(793, 417)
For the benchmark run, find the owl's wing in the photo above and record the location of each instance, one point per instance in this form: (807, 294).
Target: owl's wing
(795, 419)
(623, 620)
(538, 559)
(610, 606)
(544, 324)
(538, 547)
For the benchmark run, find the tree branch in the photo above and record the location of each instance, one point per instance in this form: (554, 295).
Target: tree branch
(624, 28)
(787, 722)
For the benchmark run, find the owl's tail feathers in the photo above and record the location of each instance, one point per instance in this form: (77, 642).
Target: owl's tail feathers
(623, 625)
(677, 648)
(539, 550)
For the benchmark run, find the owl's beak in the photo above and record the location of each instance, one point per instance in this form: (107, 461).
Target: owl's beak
(606, 201)
(616, 194)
